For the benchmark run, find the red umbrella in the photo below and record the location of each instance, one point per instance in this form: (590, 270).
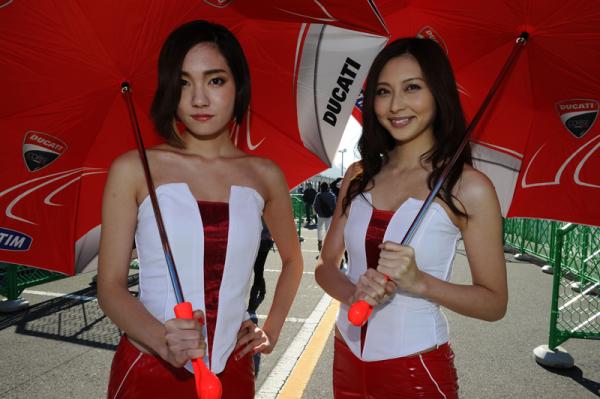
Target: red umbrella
(538, 140)
(63, 117)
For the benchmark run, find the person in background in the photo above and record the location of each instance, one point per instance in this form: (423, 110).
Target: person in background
(334, 186)
(324, 206)
(335, 189)
(259, 288)
(308, 197)
(212, 196)
(413, 124)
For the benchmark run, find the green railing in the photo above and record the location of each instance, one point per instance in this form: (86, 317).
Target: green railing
(14, 279)
(574, 253)
(532, 236)
(298, 208)
(575, 311)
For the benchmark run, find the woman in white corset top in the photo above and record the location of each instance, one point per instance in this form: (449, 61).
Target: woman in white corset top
(413, 124)
(212, 196)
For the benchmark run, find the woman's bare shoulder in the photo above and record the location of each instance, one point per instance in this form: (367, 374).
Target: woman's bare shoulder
(126, 163)
(262, 174)
(125, 176)
(264, 169)
(131, 159)
(354, 170)
(475, 188)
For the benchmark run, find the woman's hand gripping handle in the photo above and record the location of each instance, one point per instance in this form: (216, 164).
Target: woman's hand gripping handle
(208, 385)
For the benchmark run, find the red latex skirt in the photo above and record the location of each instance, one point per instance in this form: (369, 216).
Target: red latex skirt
(139, 375)
(427, 375)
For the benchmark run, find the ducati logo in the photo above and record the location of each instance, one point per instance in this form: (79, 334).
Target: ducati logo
(577, 115)
(41, 149)
(427, 32)
(219, 3)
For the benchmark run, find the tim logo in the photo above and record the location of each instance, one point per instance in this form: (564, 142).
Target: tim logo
(577, 115)
(218, 3)
(427, 32)
(41, 149)
(12, 240)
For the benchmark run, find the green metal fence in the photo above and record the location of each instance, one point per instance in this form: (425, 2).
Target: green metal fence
(532, 236)
(575, 311)
(574, 253)
(14, 279)
(512, 227)
(298, 208)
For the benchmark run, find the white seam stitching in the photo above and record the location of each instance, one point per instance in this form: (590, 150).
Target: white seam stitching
(126, 374)
(430, 376)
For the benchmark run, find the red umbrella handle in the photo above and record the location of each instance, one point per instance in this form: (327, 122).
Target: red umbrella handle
(359, 312)
(208, 385)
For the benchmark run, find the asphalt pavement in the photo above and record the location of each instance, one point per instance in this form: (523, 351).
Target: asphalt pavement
(62, 346)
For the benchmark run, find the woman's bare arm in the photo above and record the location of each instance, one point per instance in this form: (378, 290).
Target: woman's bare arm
(279, 219)
(486, 298)
(327, 272)
(176, 341)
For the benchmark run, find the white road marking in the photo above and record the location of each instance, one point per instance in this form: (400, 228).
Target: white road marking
(287, 319)
(279, 271)
(83, 298)
(286, 363)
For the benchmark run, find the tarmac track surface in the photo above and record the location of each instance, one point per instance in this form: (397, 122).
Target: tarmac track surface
(63, 345)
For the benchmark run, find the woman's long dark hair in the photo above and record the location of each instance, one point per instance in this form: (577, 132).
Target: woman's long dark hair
(449, 124)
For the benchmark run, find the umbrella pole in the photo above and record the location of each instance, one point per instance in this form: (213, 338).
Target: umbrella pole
(519, 44)
(360, 311)
(208, 385)
(126, 90)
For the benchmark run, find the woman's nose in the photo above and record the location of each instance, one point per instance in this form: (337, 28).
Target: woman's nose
(199, 97)
(398, 102)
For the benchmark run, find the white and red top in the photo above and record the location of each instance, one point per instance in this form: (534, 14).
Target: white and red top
(407, 324)
(214, 277)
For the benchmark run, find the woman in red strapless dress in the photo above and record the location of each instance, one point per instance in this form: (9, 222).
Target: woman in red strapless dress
(212, 196)
(412, 126)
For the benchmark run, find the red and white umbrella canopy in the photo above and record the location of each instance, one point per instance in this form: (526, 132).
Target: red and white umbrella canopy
(63, 119)
(539, 140)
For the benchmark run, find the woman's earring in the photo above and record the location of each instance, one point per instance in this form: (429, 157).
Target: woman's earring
(234, 131)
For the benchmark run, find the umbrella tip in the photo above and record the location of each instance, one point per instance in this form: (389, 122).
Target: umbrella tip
(526, 30)
(523, 37)
(125, 87)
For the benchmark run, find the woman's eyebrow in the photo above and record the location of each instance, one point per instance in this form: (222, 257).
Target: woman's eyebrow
(207, 72)
(415, 78)
(404, 81)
